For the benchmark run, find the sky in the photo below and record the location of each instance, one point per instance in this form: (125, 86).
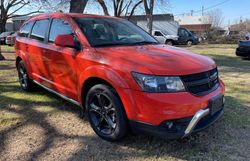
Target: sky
(232, 10)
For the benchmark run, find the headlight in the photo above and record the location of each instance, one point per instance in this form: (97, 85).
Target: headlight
(151, 83)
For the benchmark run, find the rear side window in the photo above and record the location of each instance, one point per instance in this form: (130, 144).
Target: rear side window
(25, 29)
(59, 27)
(39, 30)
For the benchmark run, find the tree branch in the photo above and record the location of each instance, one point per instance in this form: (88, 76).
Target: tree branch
(23, 4)
(25, 14)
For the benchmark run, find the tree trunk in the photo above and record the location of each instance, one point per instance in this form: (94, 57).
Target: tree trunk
(2, 25)
(1, 56)
(150, 23)
(77, 6)
(149, 9)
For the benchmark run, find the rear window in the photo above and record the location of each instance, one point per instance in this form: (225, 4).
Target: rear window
(25, 29)
(39, 30)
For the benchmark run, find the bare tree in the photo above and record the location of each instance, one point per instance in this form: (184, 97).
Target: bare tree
(149, 9)
(9, 8)
(104, 7)
(215, 18)
(131, 13)
(1, 56)
(120, 7)
(77, 6)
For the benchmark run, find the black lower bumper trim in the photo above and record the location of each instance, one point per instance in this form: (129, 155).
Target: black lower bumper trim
(178, 128)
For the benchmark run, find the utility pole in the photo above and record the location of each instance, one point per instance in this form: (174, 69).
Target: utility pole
(192, 12)
(202, 11)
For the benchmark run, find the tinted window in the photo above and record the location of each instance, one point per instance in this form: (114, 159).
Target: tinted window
(183, 32)
(39, 29)
(157, 33)
(59, 27)
(25, 29)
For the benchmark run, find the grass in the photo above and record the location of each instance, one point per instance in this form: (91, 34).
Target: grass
(7, 49)
(39, 125)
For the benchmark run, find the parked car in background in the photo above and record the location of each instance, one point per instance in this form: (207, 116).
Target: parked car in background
(4, 35)
(243, 49)
(10, 40)
(247, 36)
(182, 37)
(120, 74)
(186, 37)
(165, 38)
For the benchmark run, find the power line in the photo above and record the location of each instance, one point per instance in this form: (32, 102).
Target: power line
(205, 9)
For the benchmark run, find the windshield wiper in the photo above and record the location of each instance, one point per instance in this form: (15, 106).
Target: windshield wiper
(144, 43)
(124, 44)
(109, 44)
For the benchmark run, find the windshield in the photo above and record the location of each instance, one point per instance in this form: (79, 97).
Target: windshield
(112, 32)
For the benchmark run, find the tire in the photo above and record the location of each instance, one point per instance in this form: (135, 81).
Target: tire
(24, 80)
(189, 43)
(106, 113)
(169, 42)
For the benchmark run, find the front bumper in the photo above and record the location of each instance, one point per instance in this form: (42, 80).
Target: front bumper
(179, 128)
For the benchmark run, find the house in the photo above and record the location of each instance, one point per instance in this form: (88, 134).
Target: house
(13, 24)
(196, 24)
(162, 22)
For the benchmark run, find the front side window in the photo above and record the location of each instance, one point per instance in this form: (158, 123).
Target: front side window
(39, 29)
(109, 32)
(25, 29)
(183, 33)
(59, 27)
(157, 33)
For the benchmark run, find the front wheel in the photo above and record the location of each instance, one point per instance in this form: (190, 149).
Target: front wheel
(106, 114)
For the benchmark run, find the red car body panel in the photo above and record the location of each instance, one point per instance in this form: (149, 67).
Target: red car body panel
(65, 70)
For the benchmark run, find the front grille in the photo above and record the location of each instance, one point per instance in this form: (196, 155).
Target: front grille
(201, 83)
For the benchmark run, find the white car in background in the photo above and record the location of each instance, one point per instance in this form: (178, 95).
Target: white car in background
(164, 38)
(247, 37)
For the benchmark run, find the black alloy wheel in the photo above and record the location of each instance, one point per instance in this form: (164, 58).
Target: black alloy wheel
(105, 113)
(25, 82)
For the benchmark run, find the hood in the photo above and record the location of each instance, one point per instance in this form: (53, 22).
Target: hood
(158, 59)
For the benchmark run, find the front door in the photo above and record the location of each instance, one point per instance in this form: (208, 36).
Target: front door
(183, 36)
(62, 60)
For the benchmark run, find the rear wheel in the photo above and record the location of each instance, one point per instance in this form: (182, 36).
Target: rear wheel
(24, 80)
(106, 114)
(189, 43)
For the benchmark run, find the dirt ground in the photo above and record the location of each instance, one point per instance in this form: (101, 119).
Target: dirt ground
(41, 126)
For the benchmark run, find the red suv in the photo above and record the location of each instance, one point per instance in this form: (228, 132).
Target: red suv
(120, 74)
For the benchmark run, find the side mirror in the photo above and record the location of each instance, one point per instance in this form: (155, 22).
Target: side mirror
(67, 41)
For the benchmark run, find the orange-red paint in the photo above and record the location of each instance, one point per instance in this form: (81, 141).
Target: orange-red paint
(65, 70)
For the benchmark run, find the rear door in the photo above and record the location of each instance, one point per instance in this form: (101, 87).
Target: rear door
(22, 41)
(39, 63)
(62, 60)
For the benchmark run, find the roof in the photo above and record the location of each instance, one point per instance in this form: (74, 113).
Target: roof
(156, 17)
(192, 20)
(59, 14)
